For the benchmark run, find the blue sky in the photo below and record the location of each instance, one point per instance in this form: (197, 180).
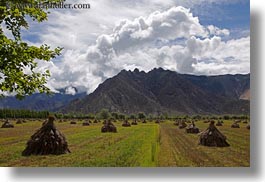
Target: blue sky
(230, 16)
(124, 34)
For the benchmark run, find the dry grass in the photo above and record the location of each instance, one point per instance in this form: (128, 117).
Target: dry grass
(141, 145)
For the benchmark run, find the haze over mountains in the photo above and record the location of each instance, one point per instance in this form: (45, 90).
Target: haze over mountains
(39, 102)
(162, 91)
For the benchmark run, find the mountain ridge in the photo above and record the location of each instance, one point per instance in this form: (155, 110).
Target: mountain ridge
(159, 91)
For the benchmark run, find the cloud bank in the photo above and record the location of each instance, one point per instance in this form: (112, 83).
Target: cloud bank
(172, 39)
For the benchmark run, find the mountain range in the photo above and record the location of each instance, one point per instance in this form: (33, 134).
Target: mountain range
(163, 91)
(40, 102)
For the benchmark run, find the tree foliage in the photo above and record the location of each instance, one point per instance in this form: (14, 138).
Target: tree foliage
(18, 59)
(104, 114)
(141, 115)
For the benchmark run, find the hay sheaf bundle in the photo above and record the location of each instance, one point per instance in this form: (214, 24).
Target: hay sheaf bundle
(219, 123)
(108, 127)
(19, 121)
(177, 123)
(212, 137)
(192, 128)
(235, 125)
(126, 123)
(72, 122)
(134, 122)
(47, 140)
(85, 123)
(7, 124)
(182, 125)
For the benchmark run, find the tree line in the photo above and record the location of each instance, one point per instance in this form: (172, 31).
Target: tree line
(105, 114)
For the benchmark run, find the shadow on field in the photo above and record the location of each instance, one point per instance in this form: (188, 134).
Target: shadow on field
(180, 173)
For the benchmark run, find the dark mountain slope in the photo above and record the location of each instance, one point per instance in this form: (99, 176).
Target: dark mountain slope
(39, 102)
(166, 91)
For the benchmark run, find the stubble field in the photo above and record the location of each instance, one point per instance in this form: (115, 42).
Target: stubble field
(142, 145)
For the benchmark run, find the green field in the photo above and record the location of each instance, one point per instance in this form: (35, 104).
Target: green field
(144, 145)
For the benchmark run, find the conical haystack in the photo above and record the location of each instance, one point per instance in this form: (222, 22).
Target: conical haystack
(7, 124)
(235, 125)
(47, 140)
(182, 125)
(192, 128)
(85, 123)
(126, 123)
(108, 127)
(176, 123)
(212, 137)
(134, 122)
(219, 123)
(19, 121)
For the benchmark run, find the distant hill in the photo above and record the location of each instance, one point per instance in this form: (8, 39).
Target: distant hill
(40, 102)
(160, 91)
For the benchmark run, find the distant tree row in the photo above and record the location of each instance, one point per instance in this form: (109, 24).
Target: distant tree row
(105, 114)
(13, 113)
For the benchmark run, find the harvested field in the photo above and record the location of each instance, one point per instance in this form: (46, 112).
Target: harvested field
(145, 145)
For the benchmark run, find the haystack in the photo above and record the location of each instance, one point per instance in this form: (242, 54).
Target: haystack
(235, 125)
(47, 140)
(134, 122)
(108, 127)
(126, 123)
(85, 123)
(157, 121)
(7, 124)
(219, 123)
(19, 121)
(72, 122)
(192, 128)
(176, 123)
(248, 127)
(245, 122)
(212, 137)
(182, 125)
(144, 121)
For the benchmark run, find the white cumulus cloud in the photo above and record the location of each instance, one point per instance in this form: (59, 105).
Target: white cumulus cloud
(171, 38)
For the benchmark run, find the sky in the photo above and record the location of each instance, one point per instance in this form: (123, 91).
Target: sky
(200, 37)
